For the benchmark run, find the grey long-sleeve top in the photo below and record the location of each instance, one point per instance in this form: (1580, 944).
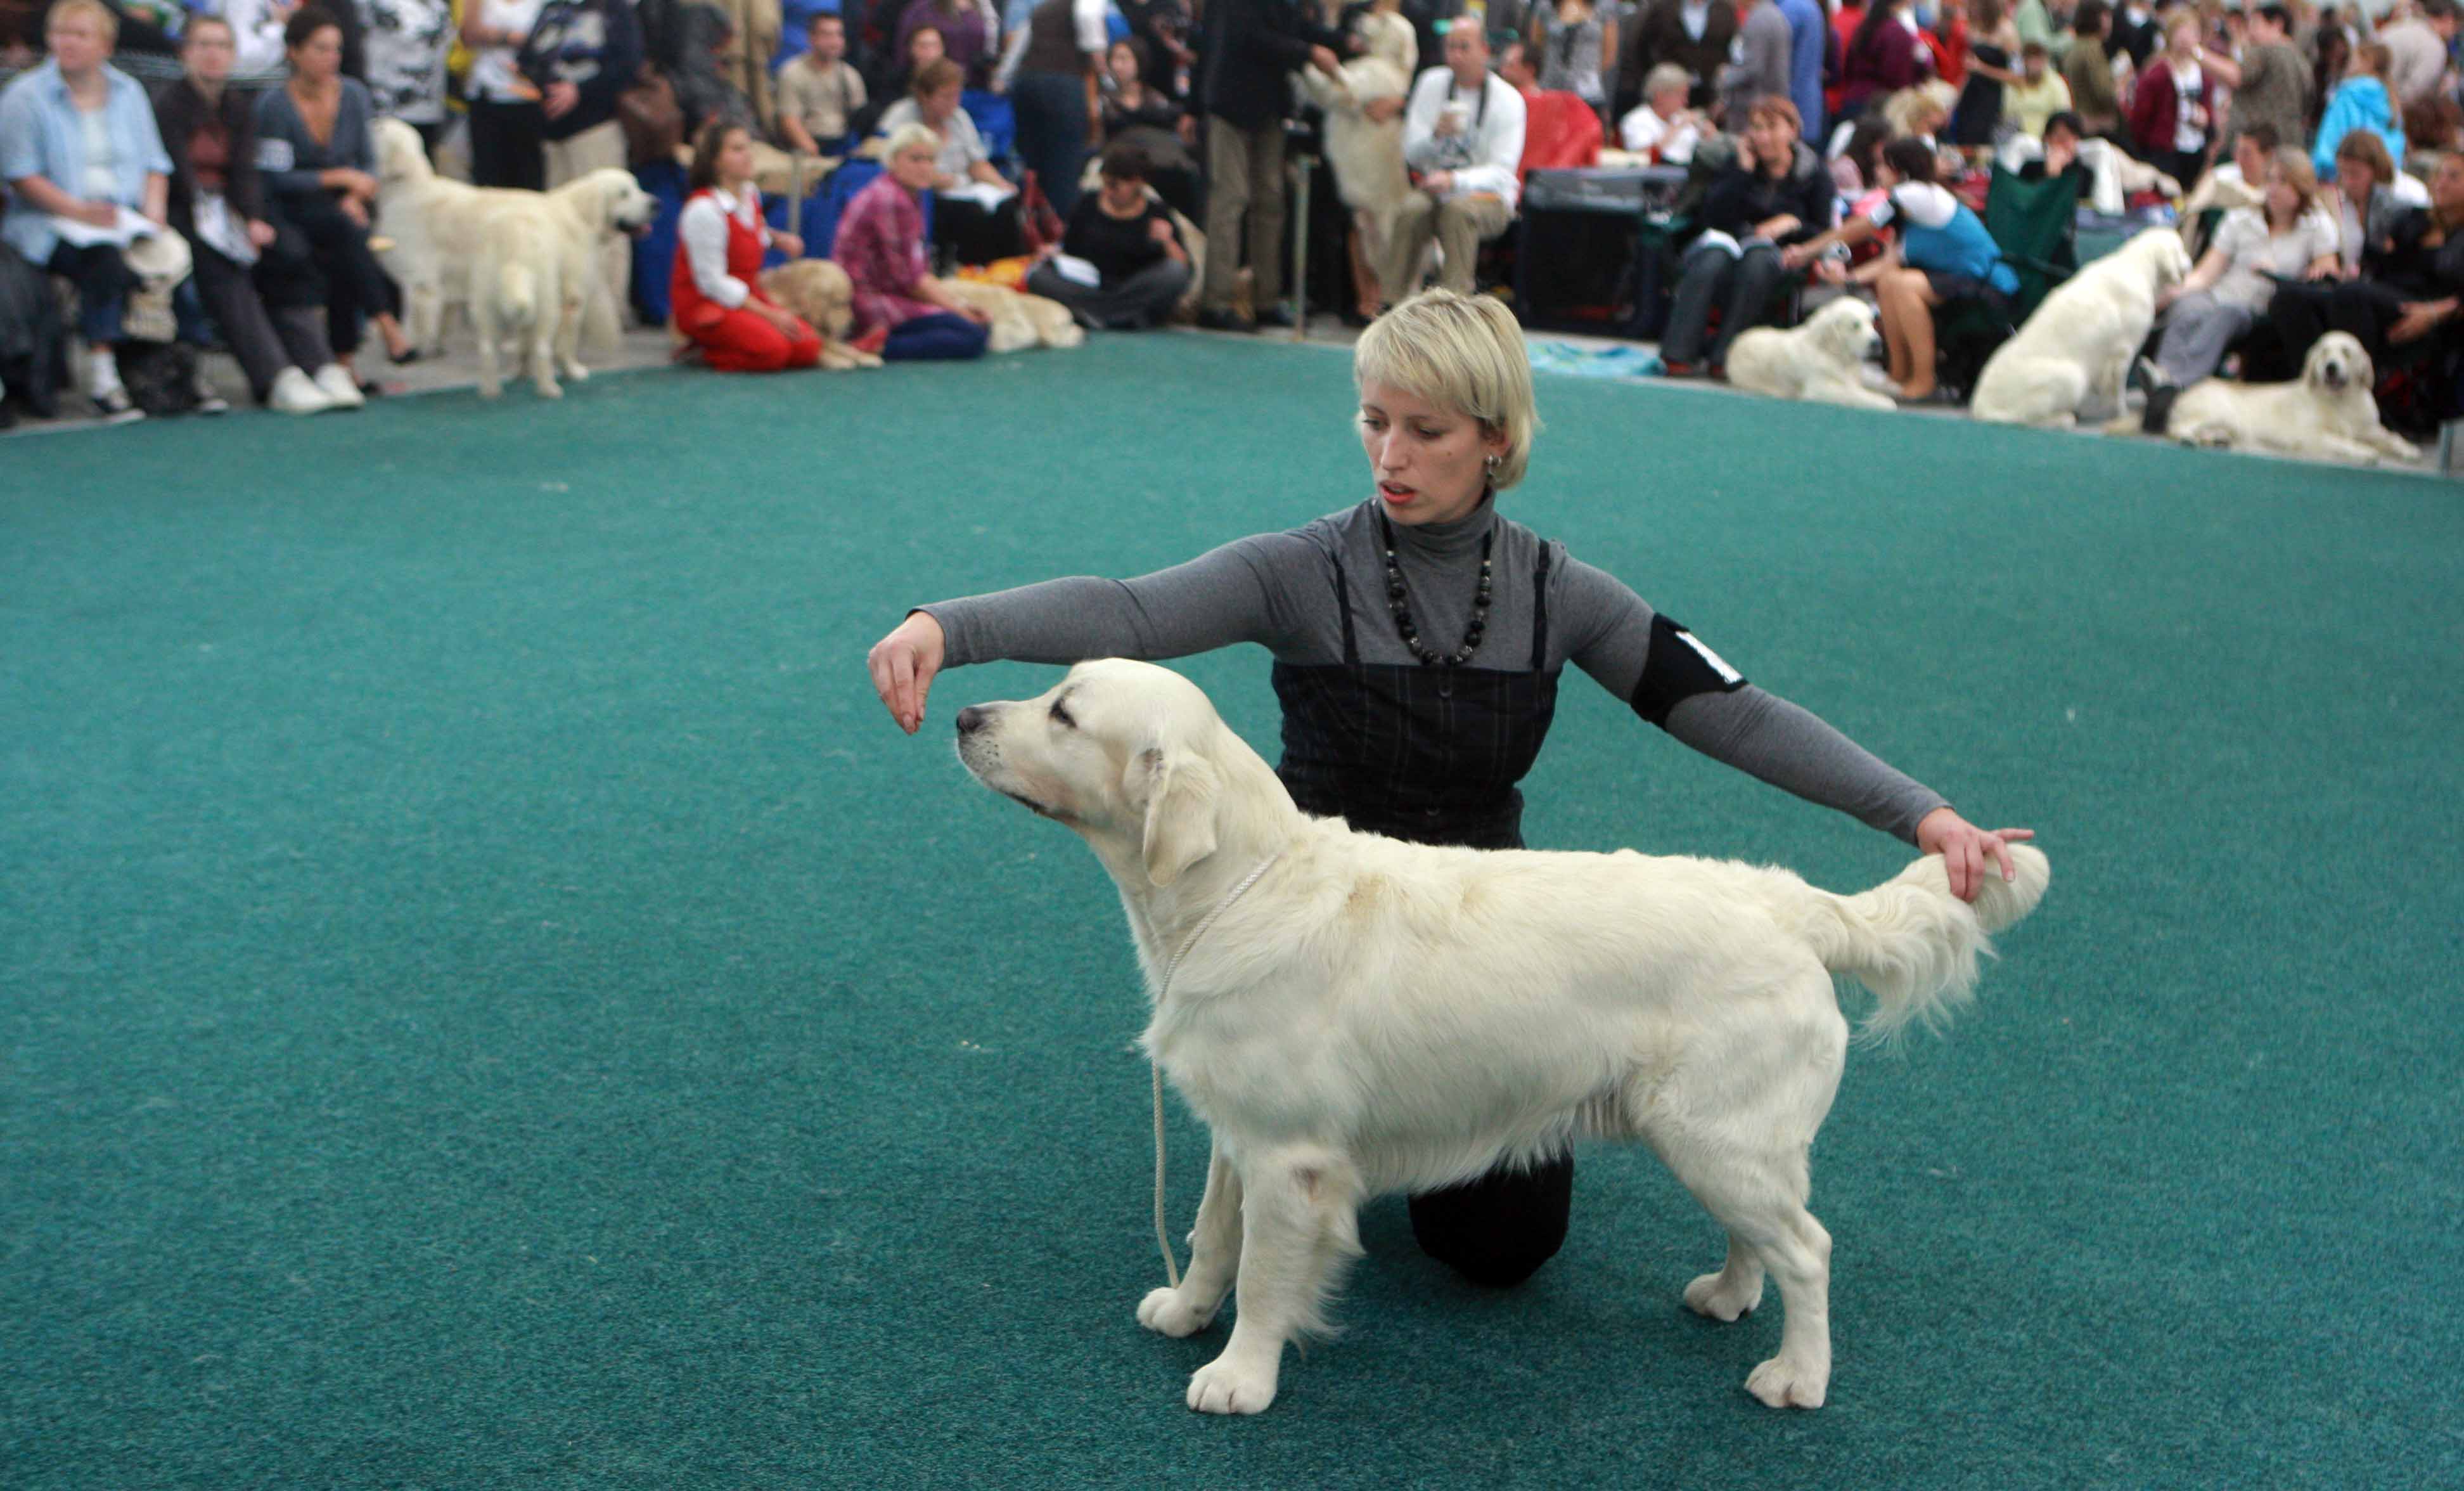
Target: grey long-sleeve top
(289, 158)
(1277, 590)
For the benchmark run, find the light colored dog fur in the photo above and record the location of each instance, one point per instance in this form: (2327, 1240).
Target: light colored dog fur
(1018, 320)
(2328, 413)
(535, 268)
(2076, 348)
(1818, 361)
(818, 291)
(433, 226)
(1375, 1016)
(1367, 157)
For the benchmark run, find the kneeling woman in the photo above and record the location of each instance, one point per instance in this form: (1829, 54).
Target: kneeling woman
(881, 247)
(716, 284)
(1418, 639)
(1944, 255)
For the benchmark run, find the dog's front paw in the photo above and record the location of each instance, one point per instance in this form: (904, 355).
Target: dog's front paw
(1224, 1385)
(1721, 1298)
(1165, 1312)
(575, 372)
(547, 390)
(1780, 1383)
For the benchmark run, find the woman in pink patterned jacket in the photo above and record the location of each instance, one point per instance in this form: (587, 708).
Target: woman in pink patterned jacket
(881, 246)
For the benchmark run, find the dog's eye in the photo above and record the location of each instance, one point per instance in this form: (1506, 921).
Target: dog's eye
(1063, 715)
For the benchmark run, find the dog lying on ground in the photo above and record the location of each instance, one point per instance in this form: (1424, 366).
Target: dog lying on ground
(1818, 361)
(1018, 320)
(1353, 1015)
(818, 291)
(2328, 413)
(2076, 348)
(537, 267)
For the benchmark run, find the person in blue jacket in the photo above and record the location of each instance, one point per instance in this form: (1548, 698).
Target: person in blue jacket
(2361, 101)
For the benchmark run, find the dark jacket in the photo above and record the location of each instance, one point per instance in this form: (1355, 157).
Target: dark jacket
(1251, 47)
(1659, 36)
(2407, 263)
(1739, 198)
(595, 45)
(178, 108)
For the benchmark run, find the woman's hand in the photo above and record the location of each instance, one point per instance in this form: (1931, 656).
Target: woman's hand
(98, 215)
(354, 209)
(560, 99)
(1378, 111)
(902, 666)
(788, 243)
(1965, 848)
(260, 233)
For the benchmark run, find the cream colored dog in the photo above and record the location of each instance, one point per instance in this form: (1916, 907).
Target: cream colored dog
(1351, 1015)
(537, 266)
(432, 224)
(2077, 347)
(1018, 320)
(2328, 413)
(818, 291)
(1817, 362)
(1367, 156)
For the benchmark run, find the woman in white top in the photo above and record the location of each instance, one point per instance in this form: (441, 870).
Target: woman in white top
(2229, 290)
(975, 208)
(508, 129)
(1664, 128)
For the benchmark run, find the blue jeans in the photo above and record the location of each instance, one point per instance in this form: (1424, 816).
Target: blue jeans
(942, 337)
(102, 280)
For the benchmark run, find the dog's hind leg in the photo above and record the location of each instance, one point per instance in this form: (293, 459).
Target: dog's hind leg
(1214, 1258)
(1300, 1222)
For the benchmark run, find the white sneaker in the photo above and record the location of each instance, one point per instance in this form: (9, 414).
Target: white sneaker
(294, 392)
(341, 389)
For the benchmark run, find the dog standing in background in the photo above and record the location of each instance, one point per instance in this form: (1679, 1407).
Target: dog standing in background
(538, 267)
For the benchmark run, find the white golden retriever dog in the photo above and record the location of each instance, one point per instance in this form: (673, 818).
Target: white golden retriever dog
(2076, 348)
(432, 223)
(537, 266)
(2328, 413)
(1367, 155)
(1372, 1016)
(1818, 361)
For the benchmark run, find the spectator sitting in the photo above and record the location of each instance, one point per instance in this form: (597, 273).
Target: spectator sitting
(2038, 95)
(319, 161)
(2057, 153)
(1514, 64)
(881, 247)
(407, 43)
(2361, 101)
(818, 93)
(1463, 132)
(1945, 252)
(2368, 199)
(79, 148)
(716, 286)
(218, 204)
(1774, 194)
(2229, 290)
(2412, 283)
(1852, 171)
(978, 225)
(897, 68)
(1662, 128)
(2088, 72)
(1136, 112)
(1128, 238)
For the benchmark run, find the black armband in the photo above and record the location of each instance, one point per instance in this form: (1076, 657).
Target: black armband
(1675, 667)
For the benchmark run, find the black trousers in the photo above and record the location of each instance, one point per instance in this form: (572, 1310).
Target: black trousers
(506, 146)
(265, 341)
(356, 288)
(973, 235)
(1498, 1228)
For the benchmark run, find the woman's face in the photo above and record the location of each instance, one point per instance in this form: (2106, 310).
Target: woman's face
(2447, 185)
(1772, 140)
(319, 58)
(938, 105)
(2182, 41)
(1124, 194)
(2283, 199)
(76, 43)
(916, 167)
(925, 48)
(1667, 101)
(2356, 178)
(1429, 462)
(208, 55)
(1124, 64)
(735, 156)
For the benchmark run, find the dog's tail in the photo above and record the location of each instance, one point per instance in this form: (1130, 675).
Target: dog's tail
(517, 292)
(1914, 943)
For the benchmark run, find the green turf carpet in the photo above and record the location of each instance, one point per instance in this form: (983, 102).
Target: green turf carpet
(487, 997)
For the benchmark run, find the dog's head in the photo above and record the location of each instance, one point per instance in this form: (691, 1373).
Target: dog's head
(1844, 329)
(817, 290)
(611, 201)
(2162, 249)
(402, 159)
(2337, 363)
(1131, 756)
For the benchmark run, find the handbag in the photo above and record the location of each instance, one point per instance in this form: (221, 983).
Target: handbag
(653, 119)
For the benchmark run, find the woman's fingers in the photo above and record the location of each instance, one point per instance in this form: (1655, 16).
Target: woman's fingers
(902, 682)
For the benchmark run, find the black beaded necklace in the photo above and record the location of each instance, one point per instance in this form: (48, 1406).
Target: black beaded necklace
(1404, 615)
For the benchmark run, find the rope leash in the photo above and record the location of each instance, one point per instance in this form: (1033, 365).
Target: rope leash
(1163, 1237)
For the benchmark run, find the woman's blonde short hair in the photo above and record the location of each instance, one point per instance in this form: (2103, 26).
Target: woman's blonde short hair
(1664, 77)
(95, 10)
(1461, 352)
(909, 137)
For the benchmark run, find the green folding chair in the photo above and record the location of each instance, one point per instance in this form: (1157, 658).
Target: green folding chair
(2035, 225)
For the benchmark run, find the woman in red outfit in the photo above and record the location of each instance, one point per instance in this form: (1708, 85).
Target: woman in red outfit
(716, 287)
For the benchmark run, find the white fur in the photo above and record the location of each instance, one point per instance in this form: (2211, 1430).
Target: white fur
(535, 267)
(2328, 413)
(1375, 1016)
(1017, 319)
(2077, 347)
(1367, 156)
(1818, 361)
(431, 224)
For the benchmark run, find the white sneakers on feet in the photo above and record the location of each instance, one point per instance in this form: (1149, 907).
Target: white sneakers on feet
(294, 392)
(339, 388)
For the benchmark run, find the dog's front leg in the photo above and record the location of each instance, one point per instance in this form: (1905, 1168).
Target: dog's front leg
(1300, 1221)
(1214, 1258)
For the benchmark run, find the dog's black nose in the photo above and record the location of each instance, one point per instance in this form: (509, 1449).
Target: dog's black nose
(971, 720)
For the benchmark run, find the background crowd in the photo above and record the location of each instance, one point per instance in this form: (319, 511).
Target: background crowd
(205, 176)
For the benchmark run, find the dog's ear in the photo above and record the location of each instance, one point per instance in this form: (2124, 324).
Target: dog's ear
(1179, 790)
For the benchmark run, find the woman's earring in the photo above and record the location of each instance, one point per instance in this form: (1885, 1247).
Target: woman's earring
(1490, 464)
